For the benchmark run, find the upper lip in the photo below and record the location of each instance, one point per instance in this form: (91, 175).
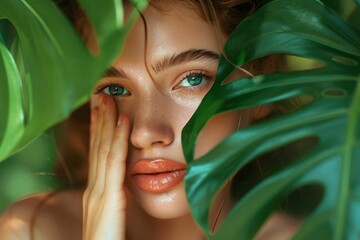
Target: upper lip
(154, 166)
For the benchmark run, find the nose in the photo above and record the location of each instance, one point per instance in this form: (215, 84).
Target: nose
(152, 125)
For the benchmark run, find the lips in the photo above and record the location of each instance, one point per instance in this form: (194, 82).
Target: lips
(159, 175)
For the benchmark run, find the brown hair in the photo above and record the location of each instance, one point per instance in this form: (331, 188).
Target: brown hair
(71, 137)
(225, 15)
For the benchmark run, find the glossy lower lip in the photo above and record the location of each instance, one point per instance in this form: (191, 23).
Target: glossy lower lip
(158, 175)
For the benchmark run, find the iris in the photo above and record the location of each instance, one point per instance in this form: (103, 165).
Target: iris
(115, 90)
(194, 80)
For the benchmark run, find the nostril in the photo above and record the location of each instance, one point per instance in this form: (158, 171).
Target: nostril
(151, 134)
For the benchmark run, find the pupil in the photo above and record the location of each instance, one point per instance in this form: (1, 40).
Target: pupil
(116, 90)
(195, 80)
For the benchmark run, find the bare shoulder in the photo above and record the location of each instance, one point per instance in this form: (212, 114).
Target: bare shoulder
(279, 226)
(15, 221)
(43, 216)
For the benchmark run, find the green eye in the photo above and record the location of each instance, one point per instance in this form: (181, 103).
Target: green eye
(115, 90)
(192, 80)
(195, 80)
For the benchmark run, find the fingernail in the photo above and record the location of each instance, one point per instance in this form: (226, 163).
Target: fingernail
(103, 103)
(120, 118)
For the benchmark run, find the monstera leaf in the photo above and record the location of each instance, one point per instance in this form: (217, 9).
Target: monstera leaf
(46, 70)
(308, 29)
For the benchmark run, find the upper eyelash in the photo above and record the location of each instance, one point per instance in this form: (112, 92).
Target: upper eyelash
(98, 89)
(197, 72)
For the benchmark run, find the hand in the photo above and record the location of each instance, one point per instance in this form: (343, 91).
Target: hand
(104, 200)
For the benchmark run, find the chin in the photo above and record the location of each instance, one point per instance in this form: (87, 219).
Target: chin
(166, 205)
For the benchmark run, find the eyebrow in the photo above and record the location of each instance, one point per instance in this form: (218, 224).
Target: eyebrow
(114, 72)
(184, 57)
(173, 60)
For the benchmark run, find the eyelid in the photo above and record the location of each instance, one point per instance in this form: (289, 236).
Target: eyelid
(192, 73)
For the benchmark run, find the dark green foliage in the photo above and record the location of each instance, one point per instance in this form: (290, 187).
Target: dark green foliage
(308, 29)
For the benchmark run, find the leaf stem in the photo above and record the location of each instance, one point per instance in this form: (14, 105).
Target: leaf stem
(347, 165)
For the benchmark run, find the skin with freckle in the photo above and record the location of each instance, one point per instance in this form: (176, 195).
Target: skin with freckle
(135, 187)
(157, 107)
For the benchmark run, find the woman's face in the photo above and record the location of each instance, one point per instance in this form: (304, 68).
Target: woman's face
(158, 84)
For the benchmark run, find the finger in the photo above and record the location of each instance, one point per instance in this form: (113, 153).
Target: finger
(93, 126)
(116, 162)
(106, 135)
(92, 165)
(95, 145)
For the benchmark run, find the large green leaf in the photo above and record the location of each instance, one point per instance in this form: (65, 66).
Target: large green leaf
(304, 28)
(46, 70)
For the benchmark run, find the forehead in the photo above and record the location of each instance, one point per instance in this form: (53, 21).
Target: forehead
(169, 28)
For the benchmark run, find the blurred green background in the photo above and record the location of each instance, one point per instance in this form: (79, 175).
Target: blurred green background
(29, 171)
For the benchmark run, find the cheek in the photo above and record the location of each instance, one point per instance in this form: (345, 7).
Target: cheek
(217, 129)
